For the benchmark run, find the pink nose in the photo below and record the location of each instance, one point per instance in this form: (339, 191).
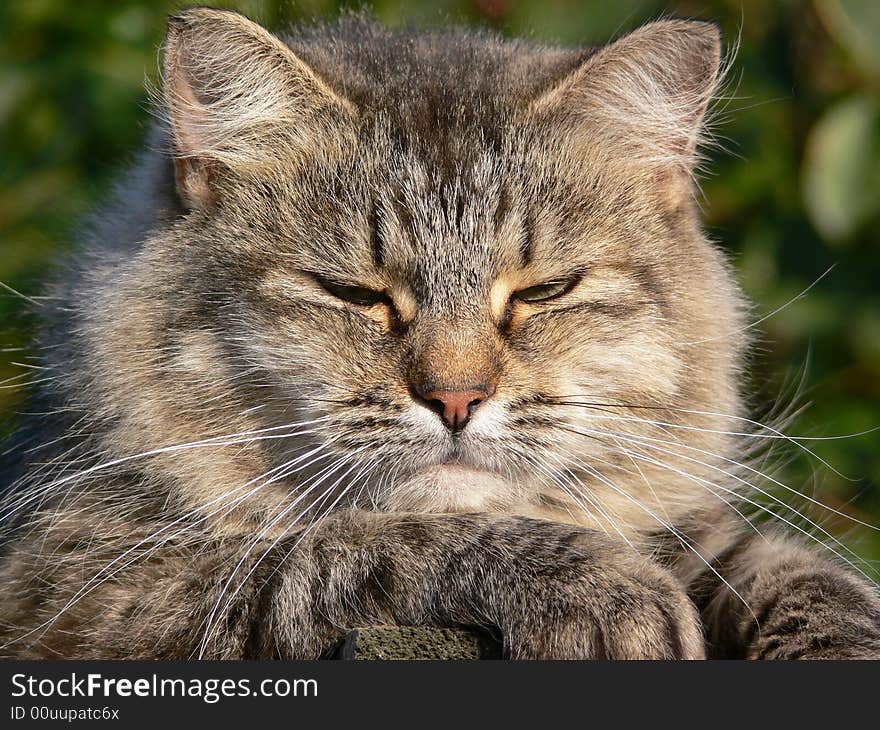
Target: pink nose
(455, 406)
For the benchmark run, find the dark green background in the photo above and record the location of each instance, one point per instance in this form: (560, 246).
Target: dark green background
(796, 190)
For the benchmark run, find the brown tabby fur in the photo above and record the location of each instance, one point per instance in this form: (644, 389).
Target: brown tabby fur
(228, 460)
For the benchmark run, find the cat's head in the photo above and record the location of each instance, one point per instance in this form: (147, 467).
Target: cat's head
(470, 269)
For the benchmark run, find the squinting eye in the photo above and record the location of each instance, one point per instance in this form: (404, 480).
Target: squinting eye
(355, 294)
(545, 292)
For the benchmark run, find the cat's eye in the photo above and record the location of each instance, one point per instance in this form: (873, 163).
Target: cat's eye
(547, 291)
(359, 295)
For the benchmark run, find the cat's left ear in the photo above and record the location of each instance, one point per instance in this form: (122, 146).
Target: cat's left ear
(642, 98)
(238, 99)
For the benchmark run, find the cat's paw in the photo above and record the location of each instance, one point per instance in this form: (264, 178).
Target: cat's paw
(813, 613)
(618, 607)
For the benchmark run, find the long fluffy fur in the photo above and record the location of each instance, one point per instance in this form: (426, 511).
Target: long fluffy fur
(235, 462)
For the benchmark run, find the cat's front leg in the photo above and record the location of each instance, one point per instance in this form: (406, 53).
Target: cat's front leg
(554, 591)
(793, 603)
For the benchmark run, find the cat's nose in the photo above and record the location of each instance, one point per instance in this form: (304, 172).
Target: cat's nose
(455, 406)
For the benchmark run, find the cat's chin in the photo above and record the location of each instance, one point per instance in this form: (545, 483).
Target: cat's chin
(450, 488)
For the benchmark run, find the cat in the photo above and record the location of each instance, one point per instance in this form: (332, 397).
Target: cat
(391, 327)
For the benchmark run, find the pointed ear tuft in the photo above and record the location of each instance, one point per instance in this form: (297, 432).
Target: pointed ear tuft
(644, 96)
(236, 96)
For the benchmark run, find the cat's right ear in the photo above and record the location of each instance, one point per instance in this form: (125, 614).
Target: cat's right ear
(238, 98)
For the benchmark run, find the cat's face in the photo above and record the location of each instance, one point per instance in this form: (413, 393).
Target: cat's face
(463, 307)
(442, 324)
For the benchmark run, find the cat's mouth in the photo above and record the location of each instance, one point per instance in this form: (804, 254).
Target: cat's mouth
(453, 487)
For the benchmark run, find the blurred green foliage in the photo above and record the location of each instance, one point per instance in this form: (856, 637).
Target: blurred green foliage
(796, 189)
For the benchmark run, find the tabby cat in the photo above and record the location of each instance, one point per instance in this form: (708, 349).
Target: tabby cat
(416, 329)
